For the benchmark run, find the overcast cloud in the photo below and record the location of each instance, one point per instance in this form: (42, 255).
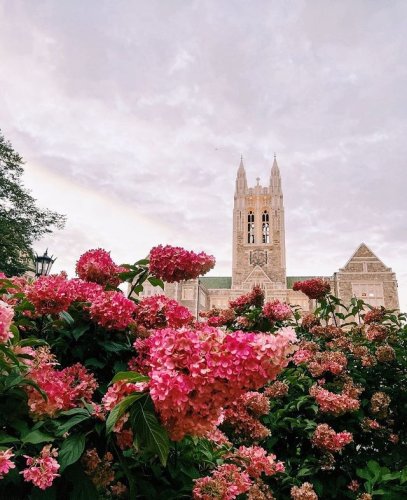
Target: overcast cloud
(132, 116)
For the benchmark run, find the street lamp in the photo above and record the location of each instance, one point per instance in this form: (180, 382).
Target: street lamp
(43, 264)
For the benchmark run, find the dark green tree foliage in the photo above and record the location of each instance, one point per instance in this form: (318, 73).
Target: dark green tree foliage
(21, 221)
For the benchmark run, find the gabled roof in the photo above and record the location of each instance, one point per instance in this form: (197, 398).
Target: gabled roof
(257, 273)
(363, 253)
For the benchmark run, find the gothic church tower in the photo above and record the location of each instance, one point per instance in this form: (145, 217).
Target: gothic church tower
(259, 234)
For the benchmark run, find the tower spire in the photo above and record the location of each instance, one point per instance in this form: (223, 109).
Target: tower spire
(275, 178)
(241, 181)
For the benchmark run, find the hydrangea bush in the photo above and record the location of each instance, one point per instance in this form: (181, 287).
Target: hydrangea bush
(107, 395)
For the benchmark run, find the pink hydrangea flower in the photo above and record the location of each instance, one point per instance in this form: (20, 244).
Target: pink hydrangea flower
(6, 318)
(277, 311)
(42, 470)
(173, 264)
(5, 463)
(329, 402)
(64, 389)
(255, 461)
(315, 288)
(97, 266)
(51, 294)
(159, 311)
(253, 298)
(112, 310)
(196, 372)
(226, 483)
(327, 439)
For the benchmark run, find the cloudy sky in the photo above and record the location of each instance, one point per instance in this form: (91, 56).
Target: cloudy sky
(132, 116)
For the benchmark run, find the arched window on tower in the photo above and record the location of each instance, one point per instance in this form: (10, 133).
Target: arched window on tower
(250, 227)
(265, 227)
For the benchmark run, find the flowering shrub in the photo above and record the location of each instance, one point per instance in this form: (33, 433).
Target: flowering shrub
(105, 395)
(336, 411)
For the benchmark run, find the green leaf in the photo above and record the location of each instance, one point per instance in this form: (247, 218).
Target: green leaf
(48, 494)
(111, 346)
(6, 438)
(95, 363)
(67, 317)
(79, 331)
(82, 486)
(36, 437)
(76, 419)
(71, 450)
(142, 262)
(148, 431)
(130, 376)
(119, 409)
(156, 282)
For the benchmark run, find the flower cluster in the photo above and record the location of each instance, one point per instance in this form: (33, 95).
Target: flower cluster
(64, 389)
(385, 354)
(327, 439)
(242, 416)
(327, 361)
(118, 391)
(97, 266)
(309, 321)
(277, 311)
(228, 481)
(6, 318)
(42, 470)
(50, 294)
(173, 264)
(327, 332)
(376, 333)
(379, 404)
(253, 298)
(218, 317)
(255, 461)
(375, 315)
(195, 373)
(329, 402)
(5, 463)
(158, 311)
(112, 310)
(303, 492)
(98, 469)
(85, 291)
(276, 390)
(315, 288)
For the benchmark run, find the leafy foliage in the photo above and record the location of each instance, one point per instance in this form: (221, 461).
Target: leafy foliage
(21, 221)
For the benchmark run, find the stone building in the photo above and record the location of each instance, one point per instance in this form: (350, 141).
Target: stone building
(259, 258)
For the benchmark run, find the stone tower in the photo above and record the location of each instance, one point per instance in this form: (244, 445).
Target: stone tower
(259, 234)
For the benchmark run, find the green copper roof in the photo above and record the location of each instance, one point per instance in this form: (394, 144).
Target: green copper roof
(211, 282)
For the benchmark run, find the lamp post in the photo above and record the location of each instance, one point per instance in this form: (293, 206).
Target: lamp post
(43, 264)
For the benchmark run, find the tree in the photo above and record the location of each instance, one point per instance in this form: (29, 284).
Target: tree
(21, 221)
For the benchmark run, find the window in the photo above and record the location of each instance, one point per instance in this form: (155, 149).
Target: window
(187, 293)
(265, 227)
(250, 227)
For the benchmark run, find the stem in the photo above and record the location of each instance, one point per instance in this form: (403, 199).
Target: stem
(132, 486)
(332, 310)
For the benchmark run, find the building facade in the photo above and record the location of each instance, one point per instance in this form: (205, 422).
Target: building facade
(259, 258)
